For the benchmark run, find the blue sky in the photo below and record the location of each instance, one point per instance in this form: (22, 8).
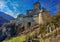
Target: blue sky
(15, 7)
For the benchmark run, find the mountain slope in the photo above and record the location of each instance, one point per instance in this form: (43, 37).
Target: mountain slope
(4, 18)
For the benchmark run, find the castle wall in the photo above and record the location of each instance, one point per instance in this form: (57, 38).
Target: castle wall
(39, 18)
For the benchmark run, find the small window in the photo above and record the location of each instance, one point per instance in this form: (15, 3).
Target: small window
(29, 24)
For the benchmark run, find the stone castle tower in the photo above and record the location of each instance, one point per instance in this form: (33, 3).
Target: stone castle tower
(37, 6)
(33, 16)
(38, 13)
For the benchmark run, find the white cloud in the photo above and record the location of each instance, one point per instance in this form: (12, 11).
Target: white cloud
(14, 5)
(5, 8)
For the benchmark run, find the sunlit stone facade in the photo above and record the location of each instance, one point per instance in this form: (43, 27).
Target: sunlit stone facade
(34, 16)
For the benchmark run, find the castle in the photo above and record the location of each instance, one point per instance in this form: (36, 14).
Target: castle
(33, 16)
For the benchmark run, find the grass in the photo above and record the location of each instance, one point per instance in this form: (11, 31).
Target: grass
(16, 39)
(19, 38)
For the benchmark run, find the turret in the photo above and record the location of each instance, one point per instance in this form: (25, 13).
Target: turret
(37, 6)
(29, 13)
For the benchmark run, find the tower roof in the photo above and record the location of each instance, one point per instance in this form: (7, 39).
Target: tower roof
(36, 3)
